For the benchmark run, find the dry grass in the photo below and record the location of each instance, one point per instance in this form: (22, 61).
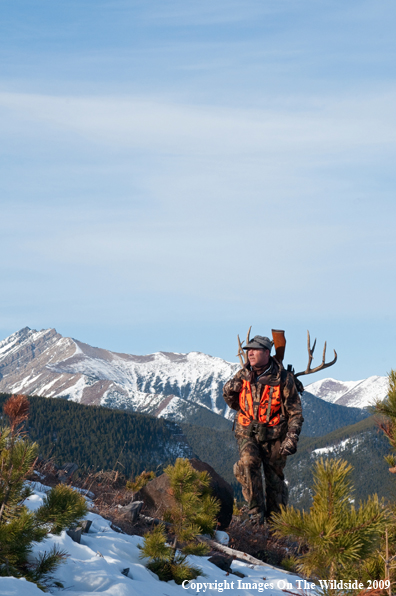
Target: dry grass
(108, 490)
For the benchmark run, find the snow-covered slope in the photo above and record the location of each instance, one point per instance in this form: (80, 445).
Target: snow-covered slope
(358, 394)
(164, 384)
(95, 567)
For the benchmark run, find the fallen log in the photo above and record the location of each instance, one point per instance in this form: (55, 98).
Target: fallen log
(238, 554)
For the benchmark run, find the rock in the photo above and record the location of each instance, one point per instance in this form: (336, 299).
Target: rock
(75, 534)
(132, 510)
(221, 490)
(221, 562)
(157, 496)
(67, 471)
(86, 524)
(222, 537)
(125, 571)
(237, 573)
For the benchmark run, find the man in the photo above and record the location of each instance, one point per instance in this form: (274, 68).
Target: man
(267, 426)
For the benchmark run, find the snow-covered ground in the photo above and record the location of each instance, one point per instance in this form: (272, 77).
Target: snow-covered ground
(94, 568)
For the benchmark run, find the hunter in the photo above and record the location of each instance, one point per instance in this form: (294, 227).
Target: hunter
(267, 427)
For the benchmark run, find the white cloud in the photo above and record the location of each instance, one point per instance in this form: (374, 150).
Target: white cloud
(334, 124)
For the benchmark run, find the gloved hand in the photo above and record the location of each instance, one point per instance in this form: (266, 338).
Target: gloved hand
(289, 445)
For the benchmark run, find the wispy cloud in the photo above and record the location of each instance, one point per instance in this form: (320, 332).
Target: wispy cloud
(331, 124)
(194, 159)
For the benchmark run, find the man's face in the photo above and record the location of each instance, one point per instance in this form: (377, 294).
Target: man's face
(258, 357)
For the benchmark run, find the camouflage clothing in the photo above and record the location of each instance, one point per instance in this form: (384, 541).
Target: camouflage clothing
(260, 443)
(248, 473)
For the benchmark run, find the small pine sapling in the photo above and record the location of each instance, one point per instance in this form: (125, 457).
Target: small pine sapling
(164, 561)
(19, 527)
(193, 514)
(339, 536)
(237, 511)
(195, 510)
(140, 481)
(62, 507)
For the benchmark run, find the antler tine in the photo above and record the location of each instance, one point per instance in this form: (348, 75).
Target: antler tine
(310, 351)
(314, 346)
(321, 366)
(241, 354)
(324, 353)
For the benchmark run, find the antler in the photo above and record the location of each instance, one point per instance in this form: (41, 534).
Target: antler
(308, 370)
(241, 353)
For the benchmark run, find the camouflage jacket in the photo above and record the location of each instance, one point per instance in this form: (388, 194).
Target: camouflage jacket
(277, 375)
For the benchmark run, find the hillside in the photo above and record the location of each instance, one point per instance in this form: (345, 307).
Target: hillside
(321, 417)
(97, 438)
(361, 444)
(108, 562)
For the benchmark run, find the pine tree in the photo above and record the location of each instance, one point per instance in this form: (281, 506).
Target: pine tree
(164, 560)
(339, 536)
(387, 408)
(194, 513)
(19, 527)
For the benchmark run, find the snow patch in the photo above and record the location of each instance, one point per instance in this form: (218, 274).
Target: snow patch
(352, 441)
(94, 568)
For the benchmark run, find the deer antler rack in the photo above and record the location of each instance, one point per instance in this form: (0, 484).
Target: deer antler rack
(324, 364)
(241, 352)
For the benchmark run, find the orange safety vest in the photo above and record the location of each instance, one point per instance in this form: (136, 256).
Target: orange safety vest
(269, 408)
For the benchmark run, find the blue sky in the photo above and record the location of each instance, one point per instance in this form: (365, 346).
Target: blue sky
(173, 172)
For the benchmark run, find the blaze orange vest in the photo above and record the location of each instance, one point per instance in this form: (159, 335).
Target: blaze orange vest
(269, 408)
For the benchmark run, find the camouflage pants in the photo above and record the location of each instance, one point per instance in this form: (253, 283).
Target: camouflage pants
(248, 473)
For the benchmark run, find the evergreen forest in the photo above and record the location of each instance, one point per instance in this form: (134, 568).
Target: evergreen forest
(97, 438)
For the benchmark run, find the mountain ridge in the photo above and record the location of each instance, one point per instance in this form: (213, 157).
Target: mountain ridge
(175, 386)
(47, 364)
(360, 394)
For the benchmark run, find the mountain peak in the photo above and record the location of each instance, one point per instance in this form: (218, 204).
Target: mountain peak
(358, 394)
(164, 383)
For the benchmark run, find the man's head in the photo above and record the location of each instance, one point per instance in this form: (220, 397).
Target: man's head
(258, 351)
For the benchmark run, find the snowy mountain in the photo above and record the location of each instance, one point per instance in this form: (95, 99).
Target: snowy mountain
(168, 385)
(179, 387)
(358, 394)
